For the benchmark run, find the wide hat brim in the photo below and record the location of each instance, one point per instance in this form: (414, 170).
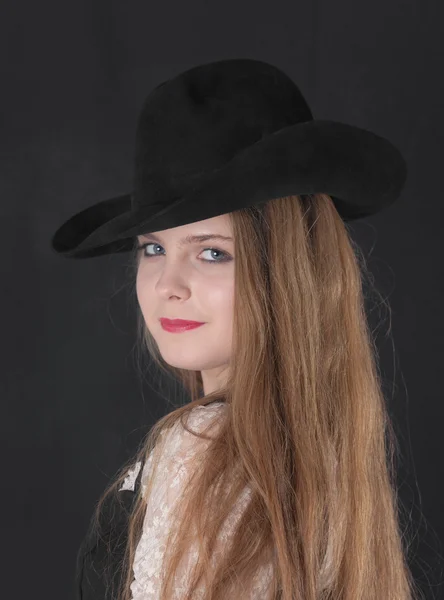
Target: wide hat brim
(361, 171)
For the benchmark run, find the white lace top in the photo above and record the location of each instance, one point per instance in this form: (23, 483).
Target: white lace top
(176, 463)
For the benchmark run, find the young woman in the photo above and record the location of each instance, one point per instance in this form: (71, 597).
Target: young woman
(276, 480)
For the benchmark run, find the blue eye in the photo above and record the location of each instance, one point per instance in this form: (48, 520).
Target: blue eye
(225, 255)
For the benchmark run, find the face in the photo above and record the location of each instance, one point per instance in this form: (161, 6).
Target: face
(191, 281)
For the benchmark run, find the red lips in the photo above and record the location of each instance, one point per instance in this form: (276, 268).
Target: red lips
(177, 325)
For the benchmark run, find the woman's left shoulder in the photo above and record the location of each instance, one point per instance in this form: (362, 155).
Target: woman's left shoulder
(201, 418)
(206, 416)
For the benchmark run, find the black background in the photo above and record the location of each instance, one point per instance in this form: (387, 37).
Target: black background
(73, 79)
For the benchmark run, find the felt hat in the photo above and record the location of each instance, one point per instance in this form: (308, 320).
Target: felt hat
(227, 135)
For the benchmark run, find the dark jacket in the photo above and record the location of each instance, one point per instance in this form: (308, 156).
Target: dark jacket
(93, 554)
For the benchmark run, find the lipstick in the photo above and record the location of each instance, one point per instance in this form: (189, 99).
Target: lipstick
(179, 325)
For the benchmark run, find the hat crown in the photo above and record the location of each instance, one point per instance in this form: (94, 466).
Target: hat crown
(195, 123)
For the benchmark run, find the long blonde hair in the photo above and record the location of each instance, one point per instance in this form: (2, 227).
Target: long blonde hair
(307, 425)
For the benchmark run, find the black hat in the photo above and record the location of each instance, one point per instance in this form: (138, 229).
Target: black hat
(227, 135)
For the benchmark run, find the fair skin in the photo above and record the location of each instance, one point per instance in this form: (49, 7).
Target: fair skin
(190, 281)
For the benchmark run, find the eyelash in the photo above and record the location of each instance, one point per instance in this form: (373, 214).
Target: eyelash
(225, 254)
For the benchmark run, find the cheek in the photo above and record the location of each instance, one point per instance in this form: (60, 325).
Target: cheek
(222, 316)
(218, 299)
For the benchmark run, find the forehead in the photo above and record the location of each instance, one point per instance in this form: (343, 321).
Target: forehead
(219, 225)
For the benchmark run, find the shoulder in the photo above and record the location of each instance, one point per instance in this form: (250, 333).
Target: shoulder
(186, 436)
(202, 418)
(178, 442)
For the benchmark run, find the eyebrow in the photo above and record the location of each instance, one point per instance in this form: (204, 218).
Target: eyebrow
(192, 239)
